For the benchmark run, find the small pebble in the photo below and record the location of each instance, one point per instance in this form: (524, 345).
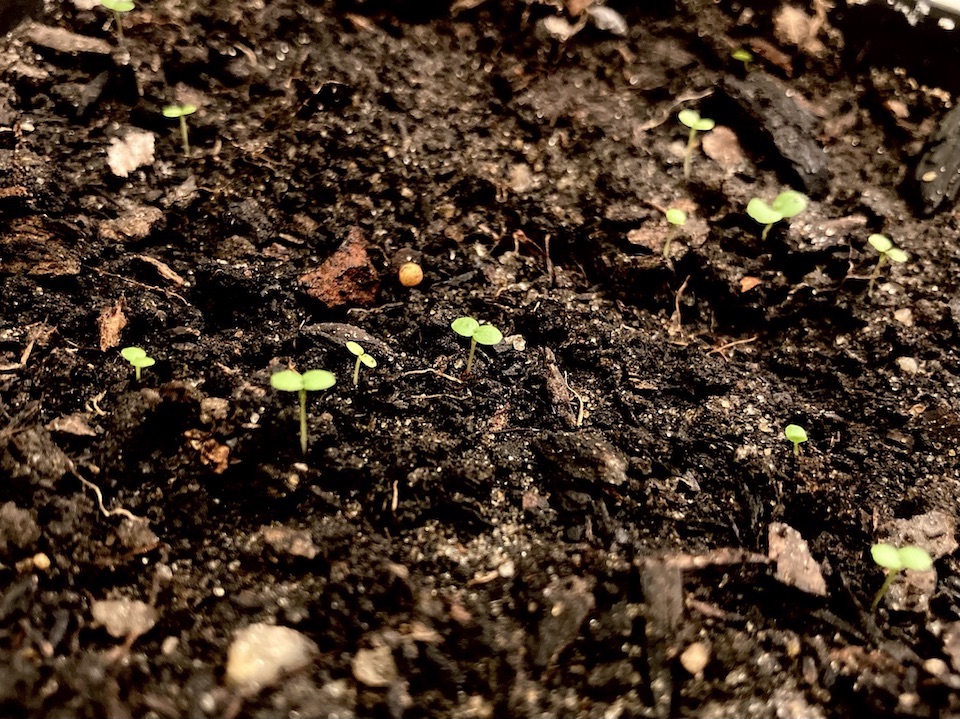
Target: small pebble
(374, 667)
(411, 274)
(695, 658)
(124, 617)
(261, 653)
(909, 365)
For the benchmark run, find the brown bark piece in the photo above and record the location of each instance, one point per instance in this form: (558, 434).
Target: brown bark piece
(347, 277)
(795, 565)
(111, 321)
(768, 112)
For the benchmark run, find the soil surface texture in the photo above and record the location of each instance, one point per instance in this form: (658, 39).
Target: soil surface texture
(603, 516)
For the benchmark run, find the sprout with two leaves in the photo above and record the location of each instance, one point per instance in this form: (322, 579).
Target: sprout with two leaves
(692, 119)
(787, 204)
(677, 218)
(895, 560)
(888, 252)
(478, 334)
(314, 380)
(174, 112)
(137, 356)
(362, 359)
(796, 434)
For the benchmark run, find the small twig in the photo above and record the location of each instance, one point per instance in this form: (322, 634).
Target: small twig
(438, 396)
(142, 285)
(431, 370)
(676, 322)
(579, 399)
(722, 349)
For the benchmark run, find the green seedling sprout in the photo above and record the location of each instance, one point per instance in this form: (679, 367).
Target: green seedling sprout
(787, 204)
(677, 218)
(290, 380)
(478, 333)
(362, 358)
(895, 560)
(692, 119)
(137, 356)
(119, 7)
(796, 434)
(181, 111)
(744, 56)
(888, 251)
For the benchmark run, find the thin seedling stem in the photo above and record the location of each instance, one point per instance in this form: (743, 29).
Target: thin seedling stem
(356, 371)
(303, 421)
(473, 346)
(688, 158)
(891, 575)
(183, 134)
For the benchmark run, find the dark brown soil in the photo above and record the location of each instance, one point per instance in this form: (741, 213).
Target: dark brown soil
(582, 526)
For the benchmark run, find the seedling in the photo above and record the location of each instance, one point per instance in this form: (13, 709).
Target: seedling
(478, 333)
(796, 434)
(692, 119)
(137, 356)
(119, 7)
(181, 111)
(895, 560)
(290, 380)
(787, 204)
(362, 358)
(744, 56)
(888, 251)
(677, 218)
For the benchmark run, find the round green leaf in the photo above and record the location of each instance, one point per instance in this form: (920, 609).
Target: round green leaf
(881, 243)
(368, 360)
(886, 555)
(676, 216)
(131, 354)
(118, 5)
(795, 433)
(742, 55)
(897, 255)
(488, 335)
(355, 349)
(317, 379)
(464, 326)
(174, 111)
(762, 212)
(790, 203)
(915, 558)
(287, 380)
(704, 124)
(142, 362)
(690, 118)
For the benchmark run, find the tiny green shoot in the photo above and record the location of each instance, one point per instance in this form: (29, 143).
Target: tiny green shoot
(362, 358)
(290, 380)
(119, 7)
(796, 434)
(181, 111)
(677, 218)
(478, 334)
(895, 560)
(137, 356)
(787, 204)
(888, 251)
(692, 119)
(744, 56)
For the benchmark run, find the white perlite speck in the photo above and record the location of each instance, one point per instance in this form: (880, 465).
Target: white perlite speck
(260, 653)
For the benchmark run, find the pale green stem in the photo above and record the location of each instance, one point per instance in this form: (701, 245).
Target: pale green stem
(666, 245)
(687, 158)
(473, 346)
(876, 273)
(119, 23)
(796, 449)
(137, 372)
(891, 575)
(356, 372)
(766, 231)
(303, 420)
(183, 134)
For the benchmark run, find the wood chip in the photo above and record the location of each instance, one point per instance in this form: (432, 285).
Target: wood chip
(60, 40)
(75, 424)
(796, 567)
(164, 270)
(721, 146)
(111, 322)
